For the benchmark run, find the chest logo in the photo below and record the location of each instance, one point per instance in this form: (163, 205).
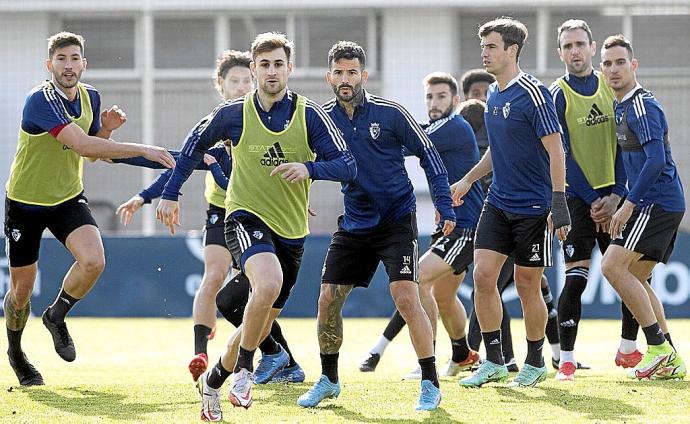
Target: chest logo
(375, 130)
(506, 110)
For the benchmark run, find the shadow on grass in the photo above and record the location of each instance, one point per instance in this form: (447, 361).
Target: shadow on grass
(595, 408)
(86, 402)
(660, 385)
(287, 396)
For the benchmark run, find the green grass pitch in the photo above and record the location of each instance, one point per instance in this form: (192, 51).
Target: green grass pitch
(134, 370)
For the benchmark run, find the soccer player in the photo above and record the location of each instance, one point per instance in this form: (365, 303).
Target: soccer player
(523, 128)
(379, 222)
(232, 79)
(475, 84)
(60, 125)
(643, 229)
(596, 178)
(443, 267)
(274, 136)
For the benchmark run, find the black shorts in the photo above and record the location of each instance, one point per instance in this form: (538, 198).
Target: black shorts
(353, 258)
(247, 235)
(214, 229)
(457, 249)
(583, 234)
(525, 237)
(24, 226)
(651, 231)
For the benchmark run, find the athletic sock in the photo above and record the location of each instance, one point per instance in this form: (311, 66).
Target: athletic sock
(654, 335)
(217, 376)
(460, 349)
(552, 319)
(201, 333)
(245, 360)
(395, 325)
(492, 344)
(14, 341)
(474, 332)
(277, 334)
(556, 351)
(269, 346)
(506, 335)
(627, 346)
(567, 356)
(380, 346)
(63, 303)
(428, 367)
(667, 336)
(629, 325)
(535, 355)
(329, 366)
(570, 306)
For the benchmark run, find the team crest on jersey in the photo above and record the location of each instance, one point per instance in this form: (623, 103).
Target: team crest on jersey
(506, 110)
(16, 234)
(569, 250)
(375, 130)
(213, 219)
(258, 235)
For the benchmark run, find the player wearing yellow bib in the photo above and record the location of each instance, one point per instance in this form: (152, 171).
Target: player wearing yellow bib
(60, 125)
(596, 183)
(274, 137)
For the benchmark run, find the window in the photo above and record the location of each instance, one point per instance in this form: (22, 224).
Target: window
(184, 43)
(660, 41)
(244, 30)
(109, 42)
(317, 34)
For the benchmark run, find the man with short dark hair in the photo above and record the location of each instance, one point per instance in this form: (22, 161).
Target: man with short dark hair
(644, 227)
(523, 128)
(444, 266)
(60, 125)
(596, 179)
(379, 223)
(274, 137)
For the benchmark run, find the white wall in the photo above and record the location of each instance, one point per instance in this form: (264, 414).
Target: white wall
(23, 53)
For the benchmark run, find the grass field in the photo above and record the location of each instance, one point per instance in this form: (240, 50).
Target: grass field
(134, 370)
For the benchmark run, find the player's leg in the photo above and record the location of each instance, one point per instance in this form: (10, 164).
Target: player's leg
(492, 245)
(23, 229)
(533, 252)
(569, 314)
(395, 324)
(617, 265)
(330, 335)
(17, 308)
(74, 226)
(217, 261)
(649, 236)
(443, 268)
(349, 262)
(505, 279)
(551, 321)
(292, 372)
(528, 285)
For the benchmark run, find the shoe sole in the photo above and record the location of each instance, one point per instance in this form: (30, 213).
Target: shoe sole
(236, 402)
(197, 366)
(497, 380)
(539, 379)
(561, 377)
(649, 373)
